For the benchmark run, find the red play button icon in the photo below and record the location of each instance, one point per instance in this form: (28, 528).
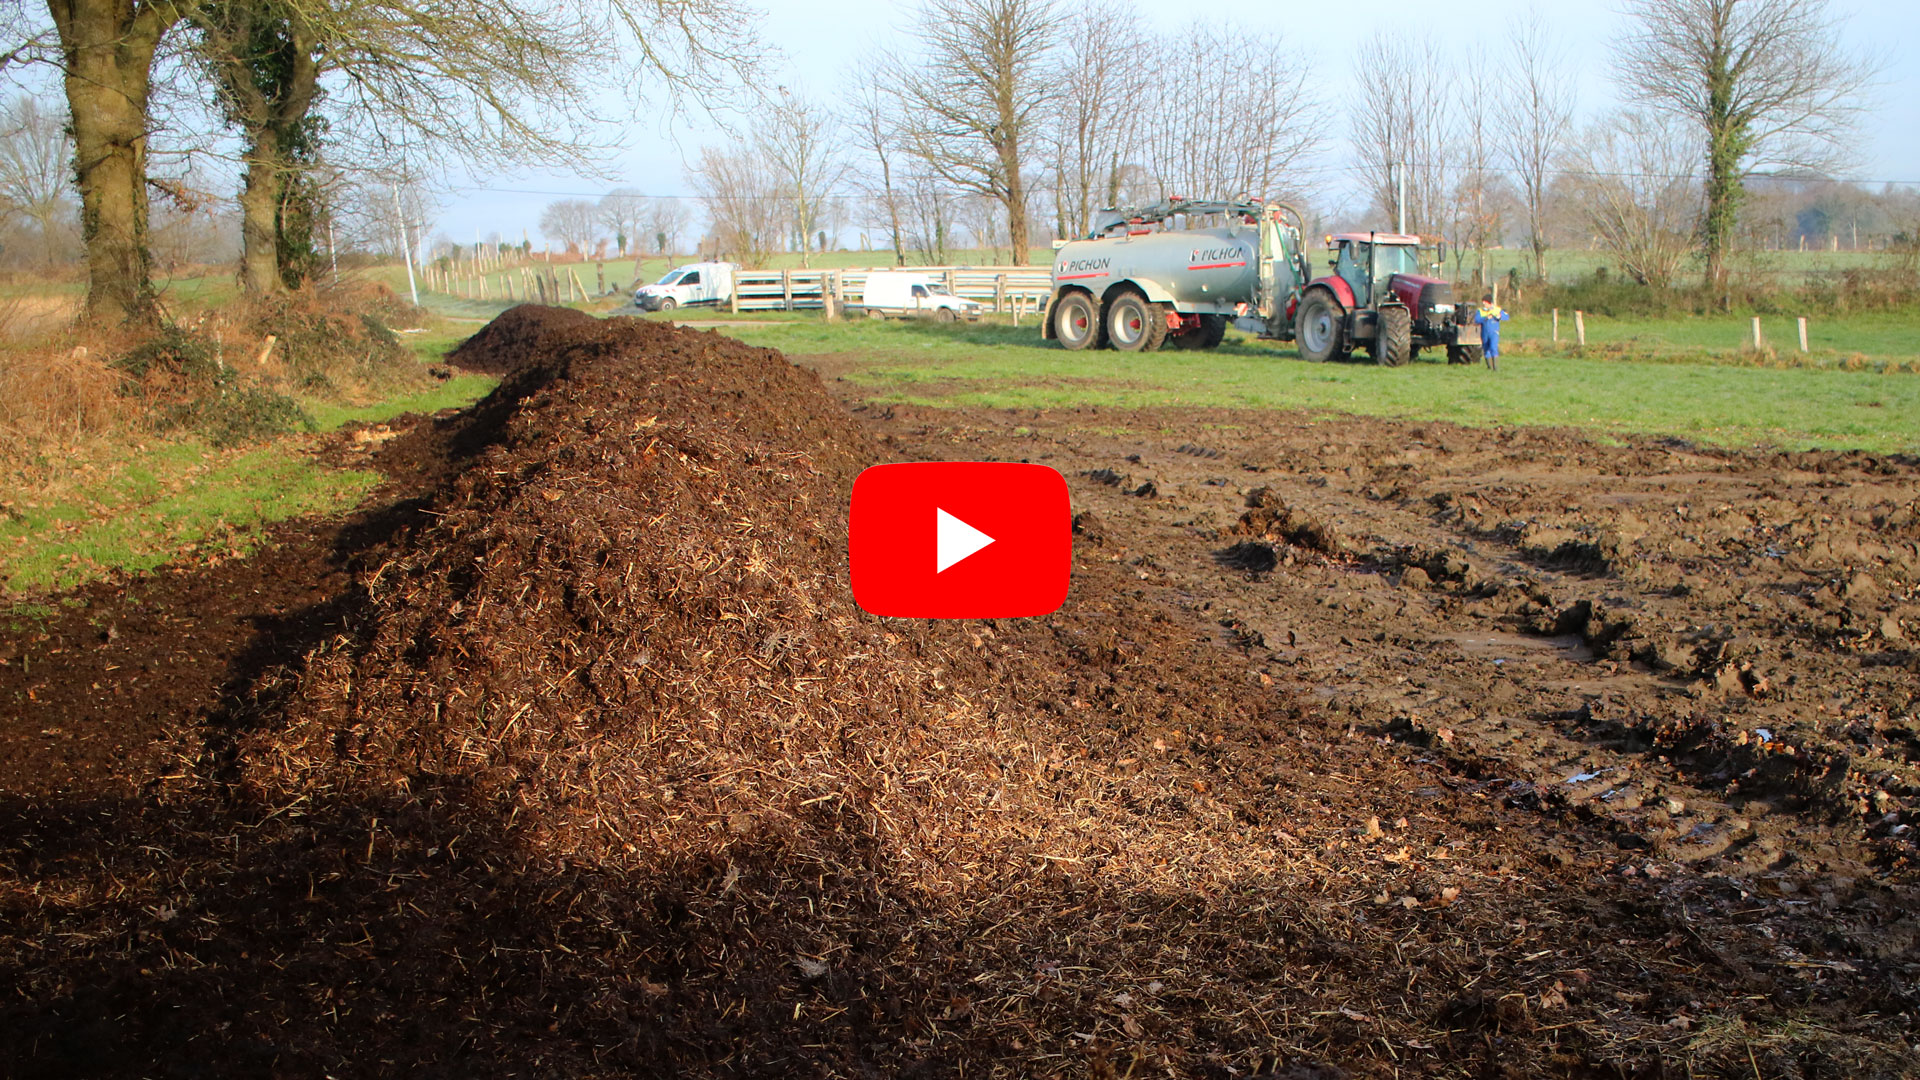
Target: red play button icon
(960, 540)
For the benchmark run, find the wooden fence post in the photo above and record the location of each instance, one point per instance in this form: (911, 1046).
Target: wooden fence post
(1758, 343)
(999, 293)
(786, 290)
(600, 278)
(949, 277)
(1803, 333)
(829, 290)
(1580, 328)
(733, 297)
(577, 285)
(1556, 325)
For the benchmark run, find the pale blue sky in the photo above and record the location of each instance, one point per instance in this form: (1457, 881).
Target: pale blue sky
(822, 39)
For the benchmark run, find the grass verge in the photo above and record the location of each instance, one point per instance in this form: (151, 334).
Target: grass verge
(128, 508)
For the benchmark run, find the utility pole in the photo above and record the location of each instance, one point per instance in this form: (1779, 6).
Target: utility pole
(406, 246)
(1400, 198)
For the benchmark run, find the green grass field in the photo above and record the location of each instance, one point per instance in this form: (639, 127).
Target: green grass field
(1719, 403)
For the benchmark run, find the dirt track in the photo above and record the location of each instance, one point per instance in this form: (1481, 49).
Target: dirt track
(1360, 748)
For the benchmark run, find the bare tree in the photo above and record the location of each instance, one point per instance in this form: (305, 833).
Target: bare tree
(799, 142)
(666, 220)
(1479, 191)
(872, 114)
(975, 94)
(1267, 119)
(625, 211)
(1096, 125)
(34, 181)
(1402, 126)
(1632, 181)
(932, 211)
(575, 223)
(1766, 83)
(1535, 112)
(745, 211)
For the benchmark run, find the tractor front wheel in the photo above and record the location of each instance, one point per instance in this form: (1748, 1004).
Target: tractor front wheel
(1463, 354)
(1134, 325)
(1394, 343)
(1320, 329)
(1076, 323)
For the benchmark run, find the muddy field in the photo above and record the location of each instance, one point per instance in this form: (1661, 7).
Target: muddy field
(1359, 749)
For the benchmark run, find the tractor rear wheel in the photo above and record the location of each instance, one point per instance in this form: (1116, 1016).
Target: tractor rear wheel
(1394, 342)
(1134, 325)
(1320, 329)
(1076, 322)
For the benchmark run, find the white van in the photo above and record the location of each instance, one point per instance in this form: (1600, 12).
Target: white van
(906, 292)
(688, 286)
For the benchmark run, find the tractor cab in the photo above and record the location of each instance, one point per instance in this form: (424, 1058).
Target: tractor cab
(1368, 263)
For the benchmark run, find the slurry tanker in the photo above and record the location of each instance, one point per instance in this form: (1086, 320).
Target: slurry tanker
(1180, 272)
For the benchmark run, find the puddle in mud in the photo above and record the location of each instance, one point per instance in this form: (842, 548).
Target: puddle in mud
(1514, 646)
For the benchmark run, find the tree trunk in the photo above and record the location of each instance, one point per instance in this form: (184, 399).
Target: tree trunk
(108, 49)
(259, 215)
(1724, 151)
(1016, 199)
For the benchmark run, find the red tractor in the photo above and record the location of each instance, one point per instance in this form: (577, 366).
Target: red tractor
(1376, 297)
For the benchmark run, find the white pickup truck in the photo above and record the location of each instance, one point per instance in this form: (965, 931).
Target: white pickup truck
(911, 294)
(689, 286)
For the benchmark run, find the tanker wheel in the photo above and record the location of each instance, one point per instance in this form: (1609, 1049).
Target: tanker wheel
(1076, 323)
(1207, 335)
(1463, 354)
(1319, 330)
(1395, 337)
(1134, 325)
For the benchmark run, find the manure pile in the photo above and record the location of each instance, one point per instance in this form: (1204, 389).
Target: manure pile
(605, 774)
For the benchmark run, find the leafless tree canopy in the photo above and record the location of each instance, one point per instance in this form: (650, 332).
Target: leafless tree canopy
(746, 213)
(872, 113)
(1766, 83)
(573, 223)
(975, 96)
(1254, 115)
(623, 212)
(1096, 125)
(1535, 111)
(1632, 181)
(35, 178)
(1401, 120)
(666, 220)
(801, 144)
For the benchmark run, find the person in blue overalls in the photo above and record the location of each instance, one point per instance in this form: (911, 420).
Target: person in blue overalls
(1490, 316)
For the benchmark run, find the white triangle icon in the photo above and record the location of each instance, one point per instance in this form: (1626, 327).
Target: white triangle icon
(954, 540)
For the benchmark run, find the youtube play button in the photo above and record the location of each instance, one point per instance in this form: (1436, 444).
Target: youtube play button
(960, 540)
